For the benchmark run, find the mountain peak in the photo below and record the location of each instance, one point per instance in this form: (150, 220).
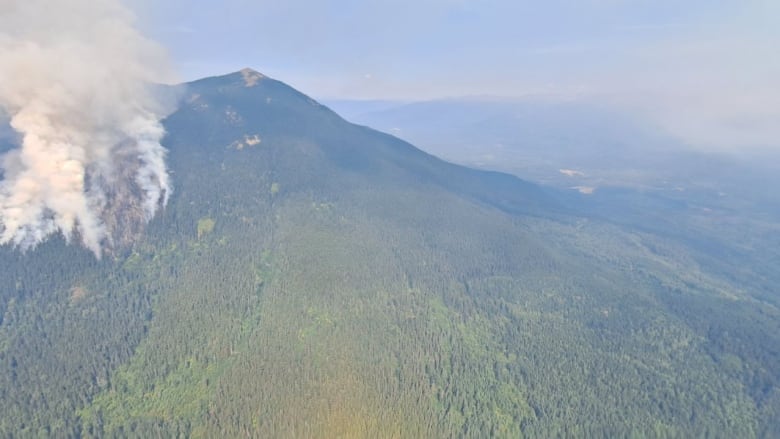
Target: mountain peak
(244, 78)
(251, 77)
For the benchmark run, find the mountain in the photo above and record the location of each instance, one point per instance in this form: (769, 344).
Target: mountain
(315, 278)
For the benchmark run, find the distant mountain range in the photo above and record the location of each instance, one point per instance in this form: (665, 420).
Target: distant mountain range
(315, 278)
(575, 144)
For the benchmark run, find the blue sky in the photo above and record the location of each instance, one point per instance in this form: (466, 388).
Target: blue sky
(707, 70)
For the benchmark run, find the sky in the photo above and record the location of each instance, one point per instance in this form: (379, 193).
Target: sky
(705, 70)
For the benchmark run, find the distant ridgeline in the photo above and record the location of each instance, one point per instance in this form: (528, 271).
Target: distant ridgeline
(314, 278)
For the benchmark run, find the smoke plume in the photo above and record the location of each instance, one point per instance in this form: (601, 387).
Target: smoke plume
(76, 83)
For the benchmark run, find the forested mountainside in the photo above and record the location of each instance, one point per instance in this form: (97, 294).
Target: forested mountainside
(314, 278)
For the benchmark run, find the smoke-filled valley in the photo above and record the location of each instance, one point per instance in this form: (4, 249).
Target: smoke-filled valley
(314, 278)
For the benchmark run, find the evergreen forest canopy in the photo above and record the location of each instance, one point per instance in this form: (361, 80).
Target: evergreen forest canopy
(315, 278)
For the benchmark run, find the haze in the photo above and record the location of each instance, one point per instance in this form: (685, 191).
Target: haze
(704, 71)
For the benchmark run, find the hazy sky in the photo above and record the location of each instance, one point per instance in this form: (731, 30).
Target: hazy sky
(707, 70)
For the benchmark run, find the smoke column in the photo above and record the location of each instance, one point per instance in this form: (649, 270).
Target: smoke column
(75, 81)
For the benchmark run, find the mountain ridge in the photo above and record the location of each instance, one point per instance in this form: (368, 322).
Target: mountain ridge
(511, 191)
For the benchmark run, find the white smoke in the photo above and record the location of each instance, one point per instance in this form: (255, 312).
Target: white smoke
(75, 81)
